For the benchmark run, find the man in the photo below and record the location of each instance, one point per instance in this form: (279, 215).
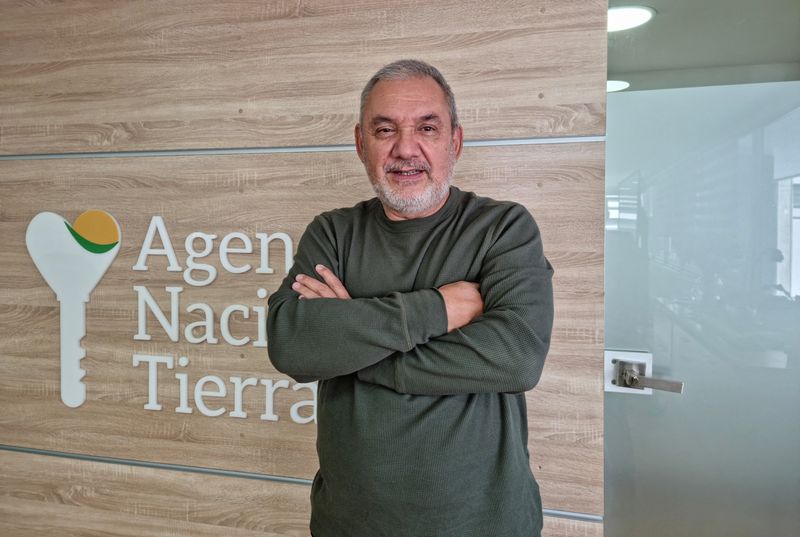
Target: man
(424, 313)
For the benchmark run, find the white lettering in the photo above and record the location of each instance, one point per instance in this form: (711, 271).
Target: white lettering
(157, 226)
(152, 376)
(288, 249)
(183, 382)
(202, 330)
(208, 246)
(212, 386)
(294, 412)
(146, 299)
(225, 249)
(207, 323)
(261, 321)
(200, 393)
(238, 389)
(272, 387)
(224, 324)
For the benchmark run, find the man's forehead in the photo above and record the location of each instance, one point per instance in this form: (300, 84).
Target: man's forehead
(429, 117)
(419, 96)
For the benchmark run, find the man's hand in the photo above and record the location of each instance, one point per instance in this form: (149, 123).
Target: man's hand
(463, 303)
(310, 287)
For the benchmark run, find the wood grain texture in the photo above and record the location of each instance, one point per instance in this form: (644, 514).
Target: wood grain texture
(43, 495)
(559, 527)
(561, 184)
(99, 75)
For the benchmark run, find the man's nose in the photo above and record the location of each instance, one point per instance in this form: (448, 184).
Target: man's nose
(406, 144)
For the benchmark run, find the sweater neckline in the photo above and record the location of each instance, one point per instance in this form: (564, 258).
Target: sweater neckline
(417, 224)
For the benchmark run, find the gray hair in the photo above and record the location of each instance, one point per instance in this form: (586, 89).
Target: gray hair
(403, 70)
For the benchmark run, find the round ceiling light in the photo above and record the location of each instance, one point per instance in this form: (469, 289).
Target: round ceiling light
(627, 17)
(616, 85)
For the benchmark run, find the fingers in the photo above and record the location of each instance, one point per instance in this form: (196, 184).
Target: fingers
(334, 283)
(310, 287)
(303, 290)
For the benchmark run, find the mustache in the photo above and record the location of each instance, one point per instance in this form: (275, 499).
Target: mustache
(398, 166)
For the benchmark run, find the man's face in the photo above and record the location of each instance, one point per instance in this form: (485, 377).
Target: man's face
(408, 147)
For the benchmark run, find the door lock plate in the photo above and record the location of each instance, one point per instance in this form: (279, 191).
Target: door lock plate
(643, 360)
(632, 374)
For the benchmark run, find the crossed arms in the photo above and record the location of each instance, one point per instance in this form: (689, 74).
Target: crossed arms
(462, 300)
(464, 337)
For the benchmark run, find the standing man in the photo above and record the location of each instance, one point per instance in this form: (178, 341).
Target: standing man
(425, 313)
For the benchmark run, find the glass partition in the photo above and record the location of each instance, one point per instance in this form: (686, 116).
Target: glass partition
(703, 270)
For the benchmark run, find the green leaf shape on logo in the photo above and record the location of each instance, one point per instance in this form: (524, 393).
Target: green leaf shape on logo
(89, 245)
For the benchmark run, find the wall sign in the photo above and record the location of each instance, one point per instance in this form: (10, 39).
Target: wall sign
(73, 259)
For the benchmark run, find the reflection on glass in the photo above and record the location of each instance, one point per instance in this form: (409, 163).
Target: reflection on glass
(703, 270)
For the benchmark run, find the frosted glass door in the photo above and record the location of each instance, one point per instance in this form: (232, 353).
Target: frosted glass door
(703, 271)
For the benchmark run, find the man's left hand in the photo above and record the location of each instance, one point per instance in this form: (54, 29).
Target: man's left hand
(309, 287)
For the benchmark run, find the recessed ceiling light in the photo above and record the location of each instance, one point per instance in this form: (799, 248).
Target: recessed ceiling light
(616, 85)
(627, 17)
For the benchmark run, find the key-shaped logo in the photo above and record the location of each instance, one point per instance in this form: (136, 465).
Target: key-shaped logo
(72, 259)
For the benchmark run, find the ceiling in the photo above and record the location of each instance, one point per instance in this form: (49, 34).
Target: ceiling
(708, 42)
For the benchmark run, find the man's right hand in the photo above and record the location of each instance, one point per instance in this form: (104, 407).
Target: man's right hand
(463, 303)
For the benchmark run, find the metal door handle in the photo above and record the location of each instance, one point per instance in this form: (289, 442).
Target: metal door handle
(631, 375)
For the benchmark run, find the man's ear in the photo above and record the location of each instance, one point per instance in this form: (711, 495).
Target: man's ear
(458, 140)
(359, 142)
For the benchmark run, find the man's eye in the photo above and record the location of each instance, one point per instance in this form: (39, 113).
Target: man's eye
(428, 128)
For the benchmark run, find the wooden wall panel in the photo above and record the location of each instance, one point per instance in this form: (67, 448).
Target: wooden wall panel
(559, 527)
(561, 184)
(43, 495)
(98, 75)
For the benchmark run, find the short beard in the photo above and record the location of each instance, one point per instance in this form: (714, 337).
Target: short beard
(425, 201)
(428, 199)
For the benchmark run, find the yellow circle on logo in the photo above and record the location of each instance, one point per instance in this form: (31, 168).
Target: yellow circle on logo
(97, 226)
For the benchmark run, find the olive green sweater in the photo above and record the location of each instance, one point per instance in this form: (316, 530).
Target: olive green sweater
(420, 432)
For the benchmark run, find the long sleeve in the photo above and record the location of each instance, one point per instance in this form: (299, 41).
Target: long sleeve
(504, 349)
(366, 430)
(324, 338)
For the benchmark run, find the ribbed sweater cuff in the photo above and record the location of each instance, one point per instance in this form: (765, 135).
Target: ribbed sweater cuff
(425, 316)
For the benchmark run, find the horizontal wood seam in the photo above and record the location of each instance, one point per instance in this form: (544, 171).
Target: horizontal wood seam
(584, 517)
(286, 149)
